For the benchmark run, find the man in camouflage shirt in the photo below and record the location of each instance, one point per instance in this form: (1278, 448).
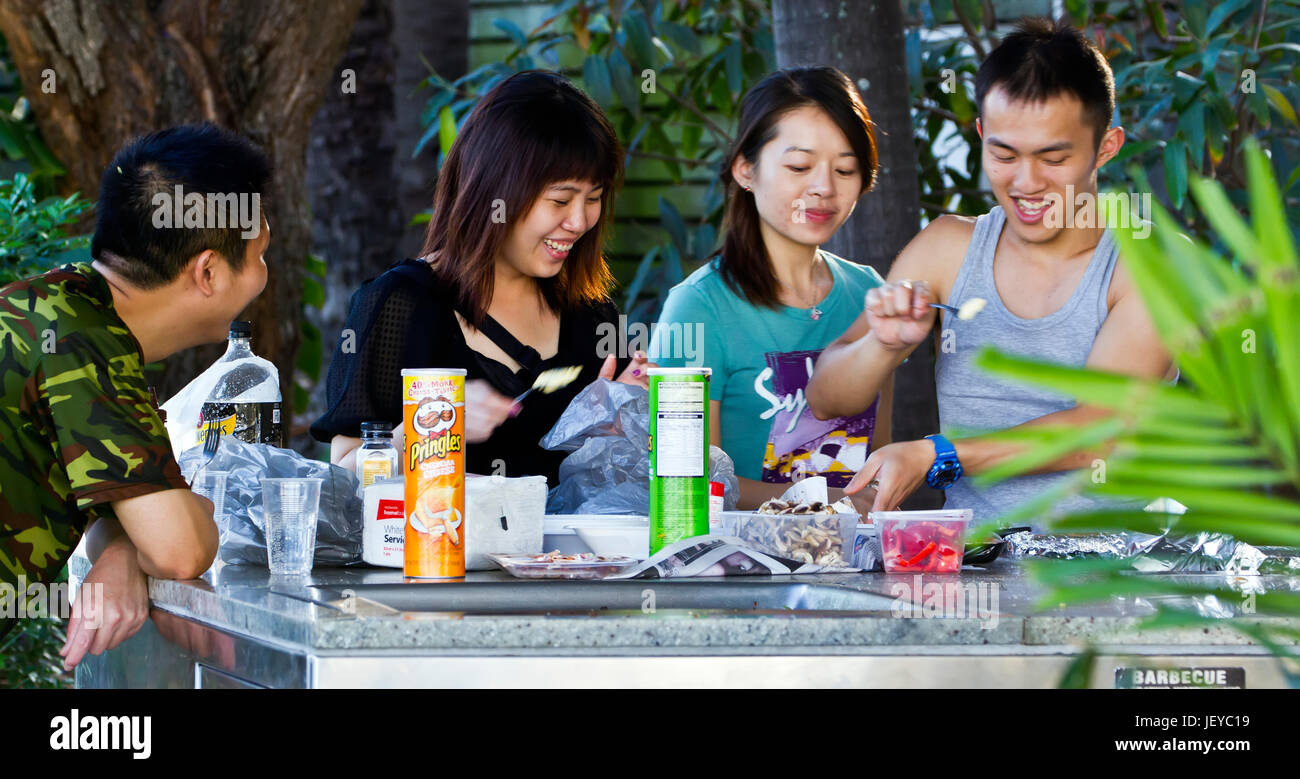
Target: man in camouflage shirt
(82, 447)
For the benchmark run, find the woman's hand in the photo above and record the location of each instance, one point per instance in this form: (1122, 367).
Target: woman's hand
(636, 371)
(485, 410)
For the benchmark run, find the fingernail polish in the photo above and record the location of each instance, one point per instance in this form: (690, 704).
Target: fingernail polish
(636, 372)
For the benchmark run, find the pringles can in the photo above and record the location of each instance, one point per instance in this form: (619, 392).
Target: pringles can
(433, 466)
(679, 454)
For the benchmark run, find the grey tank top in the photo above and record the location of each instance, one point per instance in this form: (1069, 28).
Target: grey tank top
(972, 400)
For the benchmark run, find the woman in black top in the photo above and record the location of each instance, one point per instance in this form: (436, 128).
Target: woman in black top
(511, 283)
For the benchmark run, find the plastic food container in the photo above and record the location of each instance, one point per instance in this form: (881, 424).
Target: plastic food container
(629, 538)
(546, 566)
(560, 532)
(824, 539)
(922, 541)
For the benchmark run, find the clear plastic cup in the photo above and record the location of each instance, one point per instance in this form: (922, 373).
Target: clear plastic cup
(212, 485)
(290, 507)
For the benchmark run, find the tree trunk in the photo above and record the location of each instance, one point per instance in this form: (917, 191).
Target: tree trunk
(865, 40)
(258, 67)
(365, 186)
(356, 222)
(436, 34)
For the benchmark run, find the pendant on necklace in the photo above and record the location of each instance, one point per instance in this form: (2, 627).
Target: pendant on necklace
(815, 313)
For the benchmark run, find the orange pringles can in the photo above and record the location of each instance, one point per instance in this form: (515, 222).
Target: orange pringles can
(433, 465)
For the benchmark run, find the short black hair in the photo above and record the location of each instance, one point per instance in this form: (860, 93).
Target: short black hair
(1041, 59)
(198, 158)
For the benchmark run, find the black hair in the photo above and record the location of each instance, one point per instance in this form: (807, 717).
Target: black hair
(745, 266)
(532, 130)
(1041, 59)
(136, 233)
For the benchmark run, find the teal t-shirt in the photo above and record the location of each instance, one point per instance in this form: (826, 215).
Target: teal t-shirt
(761, 360)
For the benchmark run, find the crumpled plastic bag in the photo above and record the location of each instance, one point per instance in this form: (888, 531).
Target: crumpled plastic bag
(606, 429)
(242, 525)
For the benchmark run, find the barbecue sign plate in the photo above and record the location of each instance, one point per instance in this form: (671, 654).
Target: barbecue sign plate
(1176, 678)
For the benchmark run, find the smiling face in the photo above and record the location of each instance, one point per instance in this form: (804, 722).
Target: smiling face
(806, 181)
(1034, 151)
(540, 242)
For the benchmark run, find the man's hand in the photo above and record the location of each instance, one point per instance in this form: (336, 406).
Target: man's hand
(898, 470)
(125, 607)
(899, 313)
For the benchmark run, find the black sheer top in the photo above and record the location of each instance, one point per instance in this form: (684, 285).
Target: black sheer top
(402, 319)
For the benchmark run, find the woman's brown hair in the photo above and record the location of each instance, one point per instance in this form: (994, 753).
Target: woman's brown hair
(743, 262)
(530, 131)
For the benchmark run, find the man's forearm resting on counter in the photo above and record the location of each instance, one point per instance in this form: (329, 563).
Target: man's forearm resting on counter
(172, 532)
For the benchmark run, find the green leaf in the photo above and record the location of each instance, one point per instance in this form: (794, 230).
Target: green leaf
(1279, 102)
(1078, 674)
(315, 265)
(624, 85)
(1192, 126)
(671, 219)
(735, 76)
(1195, 13)
(638, 39)
(1080, 439)
(1156, 13)
(313, 294)
(1109, 390)
(1224, 218)
(1198, 475)
(702, 243)
(511, 30)
(1221, 13)
(1176, 172)
(595, 76)
(1134, 150)
(691, 134)
(446, 130)
(680, 36)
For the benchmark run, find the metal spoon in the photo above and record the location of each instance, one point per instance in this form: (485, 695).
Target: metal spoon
(968, 309)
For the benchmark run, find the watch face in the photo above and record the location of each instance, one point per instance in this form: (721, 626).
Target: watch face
(943, 476)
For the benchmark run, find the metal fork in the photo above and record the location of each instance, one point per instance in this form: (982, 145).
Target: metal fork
(211, 441)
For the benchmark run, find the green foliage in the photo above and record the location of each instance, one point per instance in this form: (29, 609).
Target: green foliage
(21, 148)
(1194, 81)
(1225, 442)
(669, 75)
(29, 654)
(311, 351)
(33, 233)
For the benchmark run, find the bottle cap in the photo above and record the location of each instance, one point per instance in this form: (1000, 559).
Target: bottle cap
(241, 329)
(376, 428)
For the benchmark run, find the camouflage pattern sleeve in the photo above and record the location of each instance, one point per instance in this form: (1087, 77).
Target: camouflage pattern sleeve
(110, 439)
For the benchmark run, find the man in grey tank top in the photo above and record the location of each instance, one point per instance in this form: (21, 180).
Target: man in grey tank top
(1048, 273)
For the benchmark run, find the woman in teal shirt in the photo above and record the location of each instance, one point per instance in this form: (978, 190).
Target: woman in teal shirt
(770, 300)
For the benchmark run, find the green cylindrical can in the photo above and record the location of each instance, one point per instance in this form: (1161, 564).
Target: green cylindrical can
(679, 454)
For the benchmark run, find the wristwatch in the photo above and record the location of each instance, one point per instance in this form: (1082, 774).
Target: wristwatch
(947, 468)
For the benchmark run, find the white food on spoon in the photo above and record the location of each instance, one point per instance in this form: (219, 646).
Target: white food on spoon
(970, 308)
(550, 380)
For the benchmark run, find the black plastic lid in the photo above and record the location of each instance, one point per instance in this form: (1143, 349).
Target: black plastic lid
(241, 329)
(376, 428)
